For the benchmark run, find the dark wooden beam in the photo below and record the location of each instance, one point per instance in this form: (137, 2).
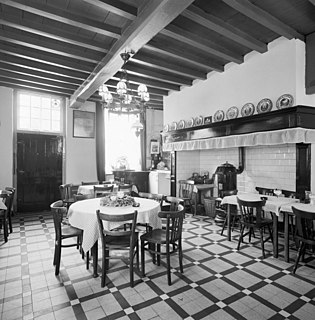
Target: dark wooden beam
(51, 46)
(216, 24)
(158, 45)
(39, 74)
(149, 82)
(149, 59)
(48, 31)
(35, 80)
(39, 66)
(154, 73)
(200, 43)
(264, 18)
(44, 57)
(121, 9)
(63, 16)
(152, 18)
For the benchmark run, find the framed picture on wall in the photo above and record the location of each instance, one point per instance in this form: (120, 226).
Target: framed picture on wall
(154, 147)
(83, 124)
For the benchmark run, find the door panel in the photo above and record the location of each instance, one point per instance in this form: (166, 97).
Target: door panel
(39, 171)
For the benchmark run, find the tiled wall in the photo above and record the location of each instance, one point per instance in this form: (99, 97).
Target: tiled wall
(265, 166)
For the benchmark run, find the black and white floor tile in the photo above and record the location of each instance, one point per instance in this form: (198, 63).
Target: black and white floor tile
(218, 282)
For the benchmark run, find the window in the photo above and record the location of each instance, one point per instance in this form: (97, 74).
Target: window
(38, 113)
(122, 146)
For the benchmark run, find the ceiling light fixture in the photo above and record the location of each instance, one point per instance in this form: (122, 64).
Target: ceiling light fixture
(126, 101)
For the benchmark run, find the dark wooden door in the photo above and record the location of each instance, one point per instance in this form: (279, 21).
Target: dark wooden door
(39, 171)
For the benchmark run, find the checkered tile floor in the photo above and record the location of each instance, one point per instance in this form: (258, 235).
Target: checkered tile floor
(218, 282)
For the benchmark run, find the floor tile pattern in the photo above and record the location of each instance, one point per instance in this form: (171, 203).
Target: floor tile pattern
(218, 282)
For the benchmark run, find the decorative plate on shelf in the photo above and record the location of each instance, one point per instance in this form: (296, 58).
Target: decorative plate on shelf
(264, 105)
(190, 123)
(218, 116)
(199, 121)
(173, 126)
(248, 109)
(181, 124)
(232, 113)
(207, 120)
(166, 128)
(285, 101)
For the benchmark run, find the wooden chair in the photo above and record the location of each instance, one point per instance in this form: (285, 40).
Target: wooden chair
(119, 240)
(66, 192)
(11, 213)
(79, 197)
(153, 196)
(101, 191)
(222, 210)
(85, 183)
(62, 232)
(169, 238)
(186, 192)
(305, 233)
(5, 197)
(171, 203)
(252, 218)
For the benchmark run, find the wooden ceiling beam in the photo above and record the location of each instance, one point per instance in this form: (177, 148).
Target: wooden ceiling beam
(216, 24)
(200, 43)
(52, 59)
(264, 18)
(121, 9)
(184, 56)
(54, 47)
(42, 67)
(158, 61)
(35, 86)
(63, 16)
(134, 86)
(151, 19)
(50, 32)
(39, 74)
(149, 82)
(153, 73)
(36, 80)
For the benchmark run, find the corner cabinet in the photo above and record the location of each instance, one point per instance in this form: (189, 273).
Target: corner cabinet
(160, 182)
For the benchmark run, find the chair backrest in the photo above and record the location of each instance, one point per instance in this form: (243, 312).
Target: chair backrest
(153, 196)
(174, 223)
(130, 218)
(251, 211)
(73, 189)
(305, 228)
(100, 191)
(8, 200)
(125, 187)
(186, 188)
(65, 190)
(79, 197)
(174, 202)
(83, 183)
(58, 211)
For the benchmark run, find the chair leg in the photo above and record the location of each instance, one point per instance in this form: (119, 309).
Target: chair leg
(104, 267)
(262, 241)
(168, 260)
(10, 222)
(298, 256)
(224, 225)
(58, 258)
(142, 259)
(158, 256)
(180, 256)
(241, 237)
(5, 230)
(87, 260)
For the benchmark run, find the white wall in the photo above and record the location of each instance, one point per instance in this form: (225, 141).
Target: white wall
(278, 71)
(6, 137)
(80, 163)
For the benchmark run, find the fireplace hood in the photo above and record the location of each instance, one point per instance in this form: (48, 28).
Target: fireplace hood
(290, 125)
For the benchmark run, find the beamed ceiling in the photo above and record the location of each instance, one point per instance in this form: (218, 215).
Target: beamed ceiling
(71, 47)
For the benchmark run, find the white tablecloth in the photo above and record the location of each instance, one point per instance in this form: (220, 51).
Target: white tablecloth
(302, 206)
(82, 215)
(273, 204)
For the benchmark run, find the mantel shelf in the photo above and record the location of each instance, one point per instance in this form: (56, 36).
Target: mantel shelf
(294, 117)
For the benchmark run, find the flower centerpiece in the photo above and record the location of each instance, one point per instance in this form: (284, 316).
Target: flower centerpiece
(119, 200)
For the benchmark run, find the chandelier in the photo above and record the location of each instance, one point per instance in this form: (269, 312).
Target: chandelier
(124, 101)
